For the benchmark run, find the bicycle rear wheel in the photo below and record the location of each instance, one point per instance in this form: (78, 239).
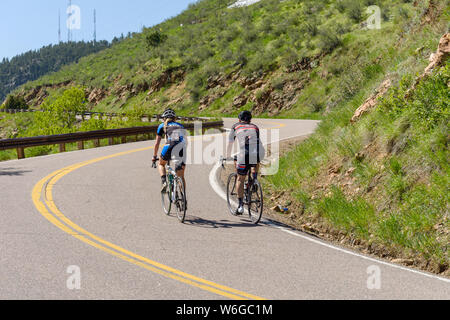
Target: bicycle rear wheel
(166, 199)
(255, 202)
(180, 200)
(232, 197)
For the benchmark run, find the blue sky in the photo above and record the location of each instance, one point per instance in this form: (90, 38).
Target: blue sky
(31, 24)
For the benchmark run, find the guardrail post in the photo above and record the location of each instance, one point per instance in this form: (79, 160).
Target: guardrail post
(96, 143)
(111, 141)
(80, 145)
(20, 153)
(124, 139)
(62, 147)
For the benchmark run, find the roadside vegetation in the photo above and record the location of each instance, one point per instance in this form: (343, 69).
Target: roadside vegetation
(382, 181)
(59, 117)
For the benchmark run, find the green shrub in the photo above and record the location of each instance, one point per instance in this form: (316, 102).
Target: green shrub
(15, 103)
(354, 10)
(60, 112)
(155, 39)
(329, 40)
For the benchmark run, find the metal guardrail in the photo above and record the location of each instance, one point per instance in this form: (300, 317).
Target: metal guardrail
(83, 115)
(21, 143)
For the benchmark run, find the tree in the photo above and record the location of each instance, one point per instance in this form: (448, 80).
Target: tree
(15, 103)
(155, 39)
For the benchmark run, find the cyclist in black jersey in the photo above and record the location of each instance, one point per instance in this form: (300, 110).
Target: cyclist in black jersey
(251, 152)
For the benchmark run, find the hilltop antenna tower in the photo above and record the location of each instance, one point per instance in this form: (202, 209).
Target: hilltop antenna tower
(95, 26)
(69, 28)
(59, 26)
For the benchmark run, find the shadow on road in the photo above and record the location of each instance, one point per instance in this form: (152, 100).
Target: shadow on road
(203, 223)
(12, 172)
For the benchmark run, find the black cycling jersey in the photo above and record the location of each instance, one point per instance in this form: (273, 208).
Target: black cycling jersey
(251, 150)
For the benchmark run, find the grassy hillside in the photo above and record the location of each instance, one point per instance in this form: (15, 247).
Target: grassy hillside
(382, 182)
(294, 58)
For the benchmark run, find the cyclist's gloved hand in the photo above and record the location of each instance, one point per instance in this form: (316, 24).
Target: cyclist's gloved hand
(154, 161)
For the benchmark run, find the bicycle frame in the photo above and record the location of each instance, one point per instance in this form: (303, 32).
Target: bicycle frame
(171, 175)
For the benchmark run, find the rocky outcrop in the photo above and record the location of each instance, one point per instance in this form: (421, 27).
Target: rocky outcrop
(437, 59)
(372, 101)
(240, 100)
(169, 76)
(38, 94)
(96, 95)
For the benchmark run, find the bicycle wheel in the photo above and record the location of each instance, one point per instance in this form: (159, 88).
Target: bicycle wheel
(180, 200)
(255, 202)
(232, 197)
(166, 199)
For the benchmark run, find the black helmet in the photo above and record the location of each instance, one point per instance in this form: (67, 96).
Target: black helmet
(169, 113)
(245, 116)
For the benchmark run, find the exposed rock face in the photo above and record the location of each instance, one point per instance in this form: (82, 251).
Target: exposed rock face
(441, 55)
(240, 100)
(437, 59)
(96, 96)
(372, 101)
(39, 93)
(169, 76)
(206, 101)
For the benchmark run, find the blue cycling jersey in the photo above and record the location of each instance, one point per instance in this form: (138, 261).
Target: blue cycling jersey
(175, 132)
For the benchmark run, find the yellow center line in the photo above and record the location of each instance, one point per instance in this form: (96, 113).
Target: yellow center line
(44, 189)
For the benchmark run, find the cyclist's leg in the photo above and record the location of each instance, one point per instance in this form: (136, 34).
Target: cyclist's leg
(165, 157)
(255, 171)
(180, 173)
(242, 171)
(162, 167)
(179, 152)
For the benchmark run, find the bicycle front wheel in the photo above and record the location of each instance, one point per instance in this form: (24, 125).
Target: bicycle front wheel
(255, 202)
(166, 199)
(232, 196)
(180, 200)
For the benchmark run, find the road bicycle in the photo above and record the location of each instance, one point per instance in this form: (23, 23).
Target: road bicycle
(175, 193)
(253, 195)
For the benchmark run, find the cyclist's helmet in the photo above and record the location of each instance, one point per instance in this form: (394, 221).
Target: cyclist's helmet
(169, 113)
(245, 116)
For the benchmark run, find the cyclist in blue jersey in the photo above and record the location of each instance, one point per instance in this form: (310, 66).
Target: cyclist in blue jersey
(175, 135)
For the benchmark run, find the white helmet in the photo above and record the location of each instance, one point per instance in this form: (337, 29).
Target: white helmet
(169, 113)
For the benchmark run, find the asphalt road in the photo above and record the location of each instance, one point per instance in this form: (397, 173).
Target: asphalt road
(99, 210)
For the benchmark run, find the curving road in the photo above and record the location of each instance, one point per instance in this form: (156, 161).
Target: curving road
(99, 210)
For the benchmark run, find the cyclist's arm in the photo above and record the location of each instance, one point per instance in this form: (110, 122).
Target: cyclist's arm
(156, 149)
(231, 140)
(159, 136)
(229, 149)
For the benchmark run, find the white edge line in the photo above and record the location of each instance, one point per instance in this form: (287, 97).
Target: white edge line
(221, 193)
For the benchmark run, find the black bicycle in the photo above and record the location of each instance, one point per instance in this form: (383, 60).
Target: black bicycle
(253, 195)
(175, 194)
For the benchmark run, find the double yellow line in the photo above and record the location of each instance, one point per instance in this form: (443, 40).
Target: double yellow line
(42, 195)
